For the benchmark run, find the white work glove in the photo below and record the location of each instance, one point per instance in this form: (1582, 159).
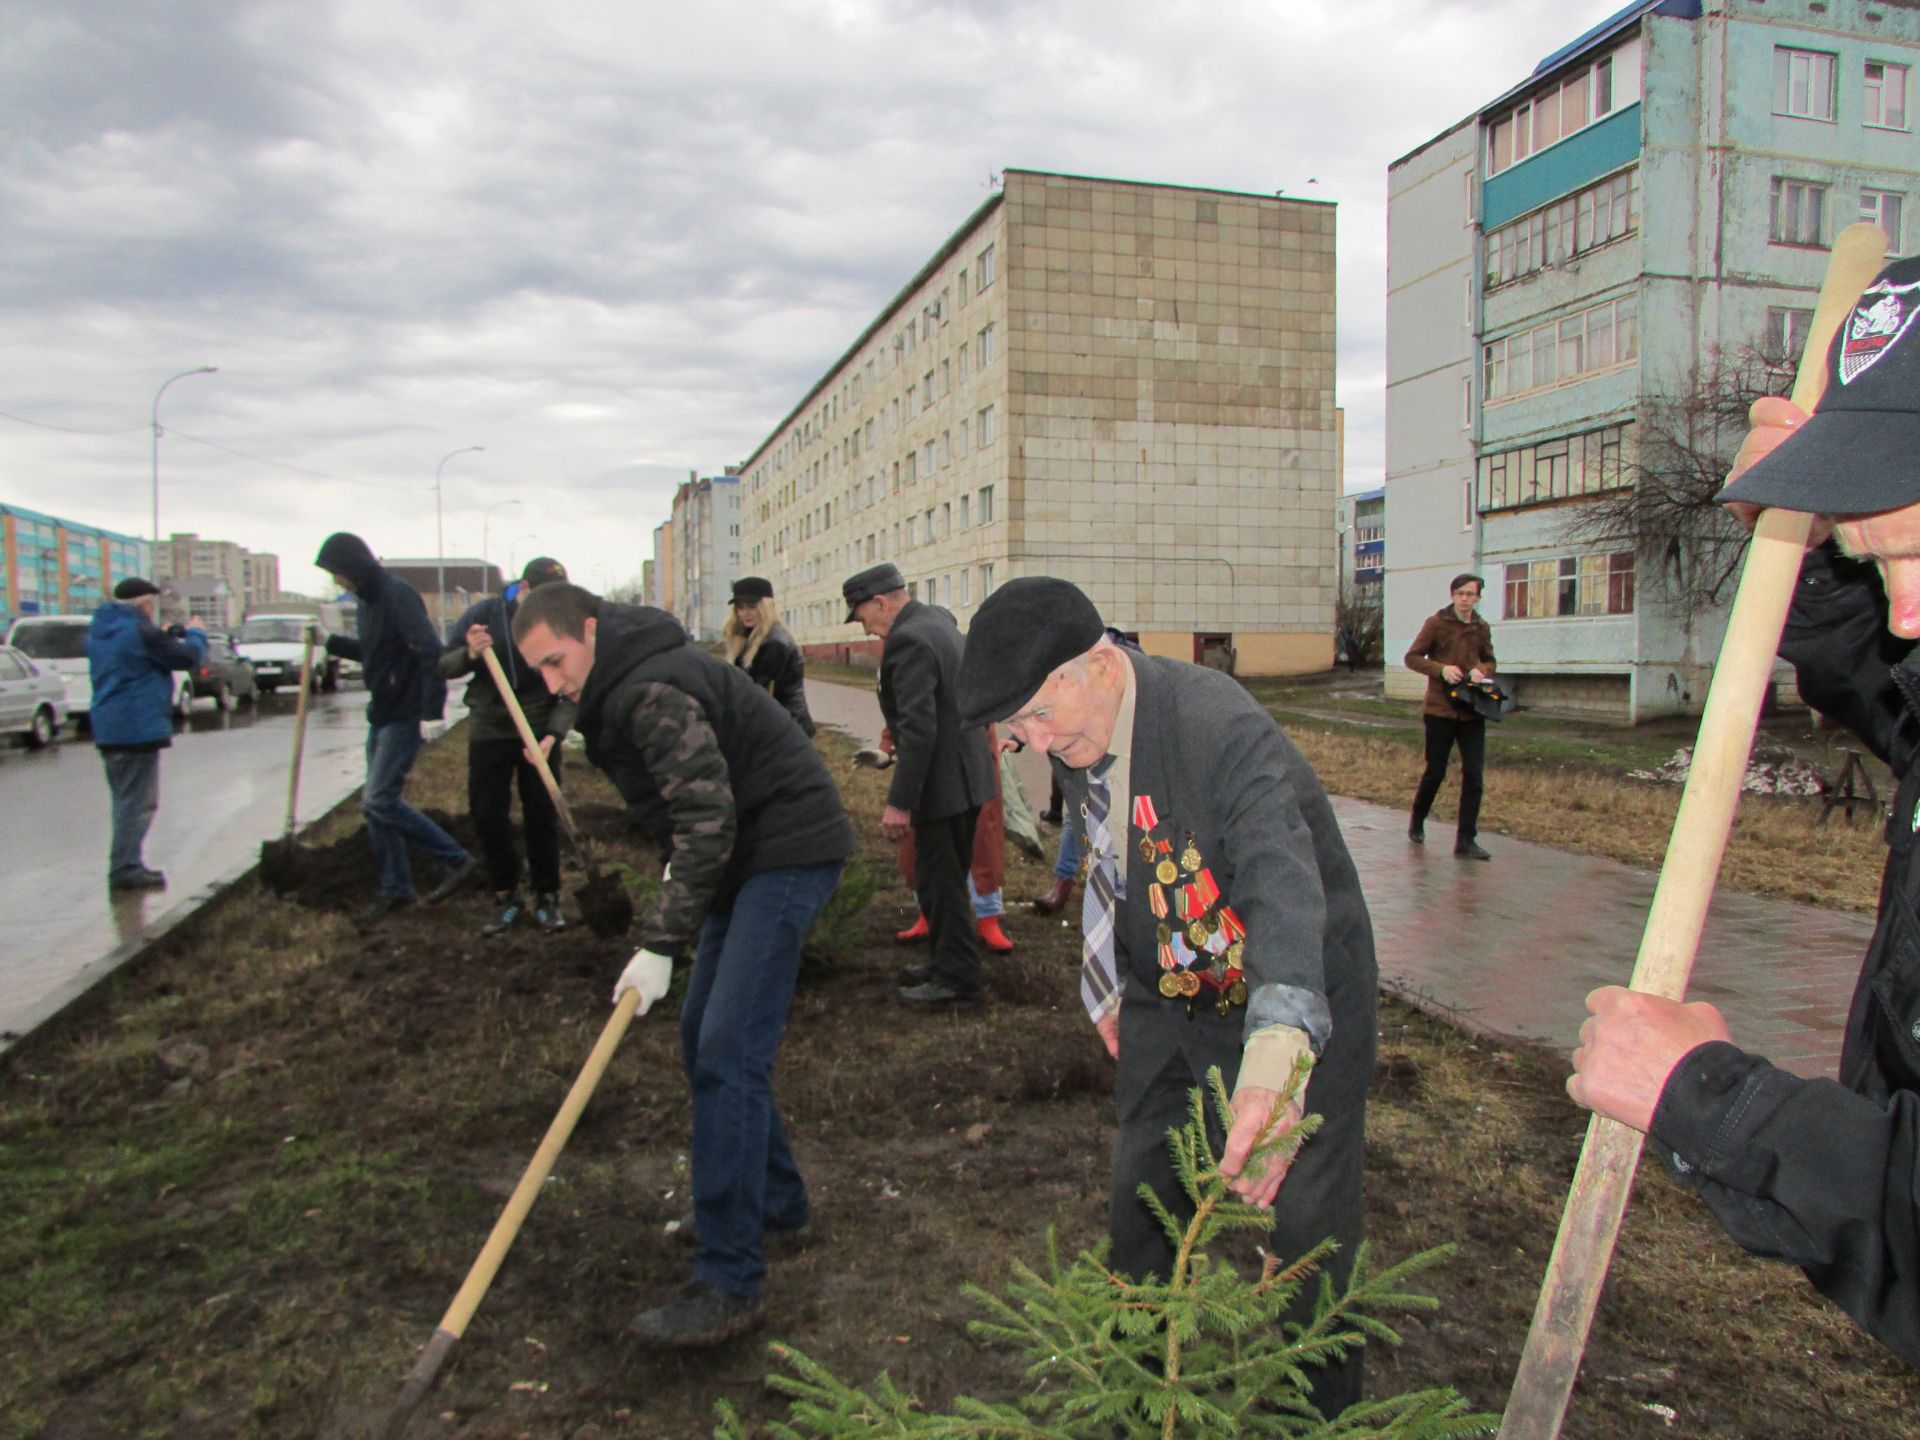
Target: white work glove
(649, 974)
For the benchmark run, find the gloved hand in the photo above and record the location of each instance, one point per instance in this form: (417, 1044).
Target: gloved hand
(649, 974)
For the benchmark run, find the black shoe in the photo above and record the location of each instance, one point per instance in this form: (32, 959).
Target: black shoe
(1052, 817)
(775, 1242)
(380, 909)
(510, 911)
(141, 879)
(1467, 850)
(1417, 833)
(451, 880)
(932, 992)
(701, 1314)
(547, 914)
(917, 974)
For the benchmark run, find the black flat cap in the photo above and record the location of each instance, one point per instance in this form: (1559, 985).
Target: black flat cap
(752, 588)
(872, 581)
(542, 570)
(133, 587)
(1021, 634)
(1860, 453)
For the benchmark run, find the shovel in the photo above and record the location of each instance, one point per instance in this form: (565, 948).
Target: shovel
(604, 901)
(280, 865)
(454, 1323)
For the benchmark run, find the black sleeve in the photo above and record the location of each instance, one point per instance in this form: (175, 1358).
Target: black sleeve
(790, 687)
(1840, 648)
(913, 681)
(346, 647)
(181, 654)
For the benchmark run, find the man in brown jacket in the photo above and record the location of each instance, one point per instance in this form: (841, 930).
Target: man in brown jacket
(1453, 645)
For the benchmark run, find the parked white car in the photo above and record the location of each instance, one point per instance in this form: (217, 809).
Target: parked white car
(59, 643)
(33, 701)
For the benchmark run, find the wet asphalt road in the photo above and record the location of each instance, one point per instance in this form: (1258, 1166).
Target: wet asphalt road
(223, 789)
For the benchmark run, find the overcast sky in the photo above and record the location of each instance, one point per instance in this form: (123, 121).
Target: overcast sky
(610, 242)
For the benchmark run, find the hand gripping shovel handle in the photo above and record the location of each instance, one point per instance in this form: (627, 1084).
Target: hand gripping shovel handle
(533, 745)
(1598, 1199)
(300, 724)
(454, 1323)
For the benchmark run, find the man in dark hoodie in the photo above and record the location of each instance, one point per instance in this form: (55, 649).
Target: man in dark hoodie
(496, 757)
(399, 656)
(128, 658)
(755, 835)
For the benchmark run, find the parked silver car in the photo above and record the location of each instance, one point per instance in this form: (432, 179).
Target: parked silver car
(33, 702)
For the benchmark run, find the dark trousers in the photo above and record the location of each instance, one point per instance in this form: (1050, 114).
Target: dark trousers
(1442, 736)
(1322, 1198)
(133, 780)
(492, 766)
(943, 853)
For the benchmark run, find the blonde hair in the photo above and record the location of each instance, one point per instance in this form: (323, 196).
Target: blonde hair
(741, 644)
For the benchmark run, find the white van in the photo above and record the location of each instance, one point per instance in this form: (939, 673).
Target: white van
(272, 643)
(59, 643)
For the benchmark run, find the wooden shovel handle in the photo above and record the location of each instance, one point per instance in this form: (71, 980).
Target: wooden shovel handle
(1598, 1199)
(533, 745)
(299, 724)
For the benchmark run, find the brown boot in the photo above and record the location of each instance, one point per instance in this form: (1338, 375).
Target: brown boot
(1055, 899)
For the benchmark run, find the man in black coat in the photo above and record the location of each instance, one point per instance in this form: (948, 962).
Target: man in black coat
(400, 657)
(1818, 1174)
(942, 774)
(1223, 923)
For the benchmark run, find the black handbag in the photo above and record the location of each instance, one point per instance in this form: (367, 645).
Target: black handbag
(1483, 698)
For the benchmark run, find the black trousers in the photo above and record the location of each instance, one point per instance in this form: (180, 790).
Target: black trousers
(492, 766)
(1442, 736)
(1323, 1196)
(943, 853)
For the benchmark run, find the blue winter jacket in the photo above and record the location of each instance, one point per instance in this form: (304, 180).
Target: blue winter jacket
(129, 658)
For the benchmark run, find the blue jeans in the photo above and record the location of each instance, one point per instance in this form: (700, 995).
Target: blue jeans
(133, 782)
(744, 1178)
(985, 906)
(1068, 864)
(391, 822)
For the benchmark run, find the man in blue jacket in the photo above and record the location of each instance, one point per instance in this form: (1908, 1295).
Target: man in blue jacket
(130, 659)
(399, 654)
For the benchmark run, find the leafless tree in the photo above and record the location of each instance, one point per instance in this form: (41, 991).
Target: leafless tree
(1682, 449)
(1358, 614)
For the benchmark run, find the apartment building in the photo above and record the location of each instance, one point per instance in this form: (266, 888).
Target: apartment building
(54, 566)
(1569, 267)
(1127, 385)
(701, 550)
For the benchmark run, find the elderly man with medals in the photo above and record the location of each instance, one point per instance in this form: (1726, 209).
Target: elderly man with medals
(1223, 920)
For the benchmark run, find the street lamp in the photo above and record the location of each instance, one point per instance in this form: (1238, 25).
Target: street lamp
(483, 529)
(513, 550)
(199, 370)
(439, 544)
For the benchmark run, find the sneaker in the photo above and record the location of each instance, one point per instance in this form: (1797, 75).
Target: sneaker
(1417, 833)
(701, 1314)
(380, 909)
(992, 936)
(933, 993)
(510, 911)
(1467, 850)
(141, 879)
(451, 880)
(547, 914)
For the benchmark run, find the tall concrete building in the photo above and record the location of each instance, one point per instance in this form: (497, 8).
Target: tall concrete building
(1569, 265)
(704, 552)
(660, 592)
(251, 579)
(1127, 385)
(53, 566)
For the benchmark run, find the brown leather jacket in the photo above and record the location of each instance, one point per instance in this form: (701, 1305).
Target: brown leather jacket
(1446, 640)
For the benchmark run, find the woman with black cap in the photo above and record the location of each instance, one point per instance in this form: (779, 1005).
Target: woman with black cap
(756, 641)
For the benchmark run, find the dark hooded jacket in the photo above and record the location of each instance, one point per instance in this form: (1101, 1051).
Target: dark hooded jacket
(396, 647)
(1820, 1174)
(487, 714)
(779, 669)
(709, 763)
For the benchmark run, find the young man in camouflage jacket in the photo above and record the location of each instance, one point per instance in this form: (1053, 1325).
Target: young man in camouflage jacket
(754, 835)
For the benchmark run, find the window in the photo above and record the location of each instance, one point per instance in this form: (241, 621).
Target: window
(1786, 333)
(1466, 505)
(946, 448)
(926, 393)
(913, 466)
(1562, 230)
(986, 581)
(960, 448)
(966, 588)
(946, 520)
(1466, 403)
(1579, 345)
(1577, 99)
(933, 590)
(966, 510)
(926, 458)
(986, 419)
(946, 376)
(912, 392)
(1582, 464)
(1882, 208)
(984, 271)
(963, 287)
(985, 345)
(1797, 212)
(986, 504)
(1803, 83)
(1570, 585)
(963, 362)
(1886, 95)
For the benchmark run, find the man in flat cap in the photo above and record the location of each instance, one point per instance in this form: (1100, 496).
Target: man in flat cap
(129, 659)
(942, 774)
(1818, 1174)
(1223, 921)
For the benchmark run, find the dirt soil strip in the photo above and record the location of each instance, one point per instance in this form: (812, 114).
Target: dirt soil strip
(243, 1180)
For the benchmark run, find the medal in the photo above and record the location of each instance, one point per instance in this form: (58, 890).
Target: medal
(1157, 900)
(1206, 890)
(1161, 933)
(1235, 951)
(1146, 848)
(1170, 984)
(1197, 935)
(1223, 1004)
(1144, 817)
(1190, 856)
(1237, 992)
(1230, 923)
(1188, 981)
(1167, 872)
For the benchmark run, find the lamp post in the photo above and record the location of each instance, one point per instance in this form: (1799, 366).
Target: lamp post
(500, 505)
(439, 544)
(198, 370)
(513, 550)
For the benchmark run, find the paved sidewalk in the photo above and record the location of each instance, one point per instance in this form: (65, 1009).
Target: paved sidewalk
(1514, 945)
